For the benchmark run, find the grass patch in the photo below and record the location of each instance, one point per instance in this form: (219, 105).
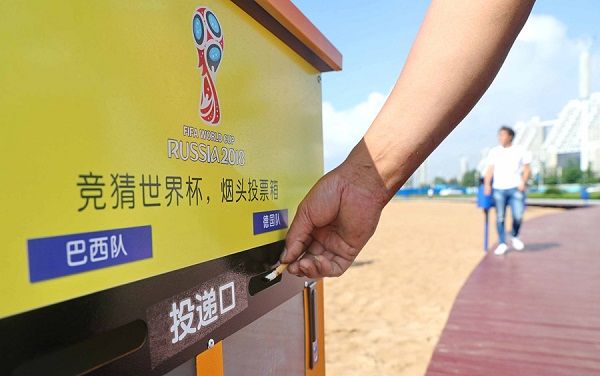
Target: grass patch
(567, 195)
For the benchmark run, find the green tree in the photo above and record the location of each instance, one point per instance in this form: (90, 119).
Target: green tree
(550, 177)
(438, 180)
(470, 179)
(589, 176)
(571, 174)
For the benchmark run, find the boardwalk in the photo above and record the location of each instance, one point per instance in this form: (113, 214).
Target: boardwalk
(536, 312)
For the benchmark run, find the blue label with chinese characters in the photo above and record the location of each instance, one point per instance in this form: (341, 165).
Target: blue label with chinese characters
(62, 255)
(270, 221)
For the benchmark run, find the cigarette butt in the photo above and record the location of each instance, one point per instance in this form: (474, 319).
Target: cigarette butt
(276, 272)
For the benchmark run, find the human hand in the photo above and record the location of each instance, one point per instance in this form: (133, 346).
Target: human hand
(487, 189)
(341, 212)
(333, 223)
(522, 186)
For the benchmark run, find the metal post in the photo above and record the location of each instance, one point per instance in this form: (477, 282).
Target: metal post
(485, 230)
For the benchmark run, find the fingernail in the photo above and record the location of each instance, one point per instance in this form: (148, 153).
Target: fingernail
(283, 254)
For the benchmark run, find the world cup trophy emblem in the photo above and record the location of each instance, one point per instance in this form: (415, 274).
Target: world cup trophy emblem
(208, 37)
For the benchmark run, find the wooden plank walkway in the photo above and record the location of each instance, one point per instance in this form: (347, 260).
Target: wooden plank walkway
(535, 312)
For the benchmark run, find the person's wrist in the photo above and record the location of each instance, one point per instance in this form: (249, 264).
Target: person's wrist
(360, 170)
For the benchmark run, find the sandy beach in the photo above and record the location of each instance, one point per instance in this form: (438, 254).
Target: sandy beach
(385, 314)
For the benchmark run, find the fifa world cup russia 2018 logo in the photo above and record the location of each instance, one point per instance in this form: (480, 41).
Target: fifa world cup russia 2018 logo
(208, 37)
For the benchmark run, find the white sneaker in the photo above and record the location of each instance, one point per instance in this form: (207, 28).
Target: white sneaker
(517, 244)
(501, 249)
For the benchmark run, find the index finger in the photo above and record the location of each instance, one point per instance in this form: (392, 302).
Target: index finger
(298, 237)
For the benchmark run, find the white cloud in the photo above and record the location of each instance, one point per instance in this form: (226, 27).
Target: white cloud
(342, 129)
(542, 29)
(539, 76)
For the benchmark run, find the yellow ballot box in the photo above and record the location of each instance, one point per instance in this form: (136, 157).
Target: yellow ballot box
(154, 153)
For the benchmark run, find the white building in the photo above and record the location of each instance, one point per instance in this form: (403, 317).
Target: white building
(573, 137)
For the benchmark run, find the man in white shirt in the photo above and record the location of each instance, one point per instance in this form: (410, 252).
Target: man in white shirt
(506, 175)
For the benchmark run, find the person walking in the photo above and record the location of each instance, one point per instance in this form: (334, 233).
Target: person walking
(506, 177)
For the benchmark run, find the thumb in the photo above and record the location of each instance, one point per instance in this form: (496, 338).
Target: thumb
(299, 235)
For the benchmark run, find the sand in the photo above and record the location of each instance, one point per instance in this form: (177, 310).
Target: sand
(386, 313)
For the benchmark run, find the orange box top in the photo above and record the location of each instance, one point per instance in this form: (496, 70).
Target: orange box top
(289, 24)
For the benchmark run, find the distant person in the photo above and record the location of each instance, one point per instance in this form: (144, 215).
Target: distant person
(506, 178)
(458, 51)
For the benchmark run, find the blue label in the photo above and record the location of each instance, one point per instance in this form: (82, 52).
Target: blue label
(270, 221)
(70, 254)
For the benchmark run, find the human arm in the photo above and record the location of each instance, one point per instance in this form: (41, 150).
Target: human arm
(459, 49)
(524, 177)
(487, 180)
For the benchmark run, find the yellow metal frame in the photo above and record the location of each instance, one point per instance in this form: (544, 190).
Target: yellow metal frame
(319, 369)
(210, 362)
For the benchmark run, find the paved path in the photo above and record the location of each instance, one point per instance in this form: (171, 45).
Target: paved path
(535, 312)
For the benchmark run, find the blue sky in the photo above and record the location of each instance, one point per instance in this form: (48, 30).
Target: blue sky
(538, 78)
